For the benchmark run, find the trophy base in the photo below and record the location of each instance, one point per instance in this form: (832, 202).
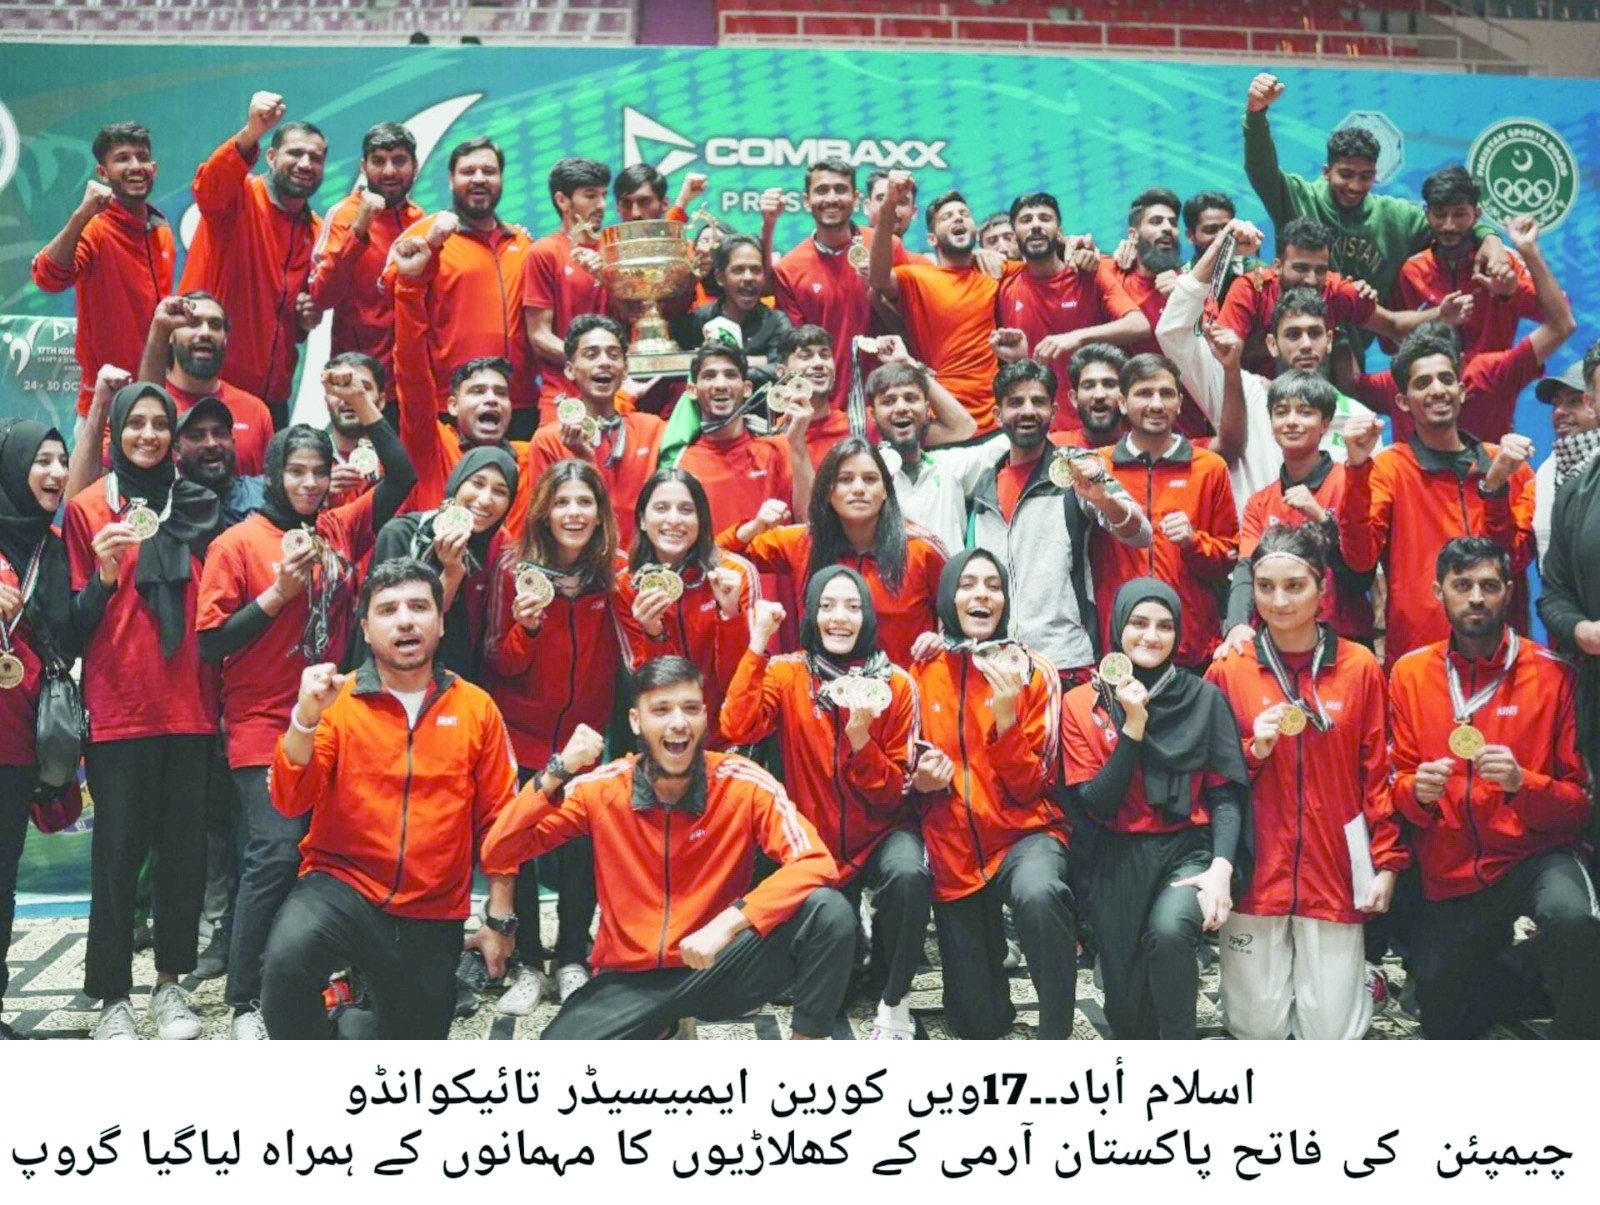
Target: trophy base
(671, 362)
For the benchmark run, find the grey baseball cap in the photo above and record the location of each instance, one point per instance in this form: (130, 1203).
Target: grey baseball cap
(1572, 378)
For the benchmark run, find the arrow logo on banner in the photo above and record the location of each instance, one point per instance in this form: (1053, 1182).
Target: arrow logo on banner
(637, 128)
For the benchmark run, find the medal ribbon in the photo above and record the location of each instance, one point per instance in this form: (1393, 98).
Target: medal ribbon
(114, 500)
(1314, 713)
(1464, 707)
(30, 579)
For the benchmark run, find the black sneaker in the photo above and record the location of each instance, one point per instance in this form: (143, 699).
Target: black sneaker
(143, 937)
(472, 976)
(213, 961)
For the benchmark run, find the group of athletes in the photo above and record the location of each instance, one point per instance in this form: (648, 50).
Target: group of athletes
(1070, 598)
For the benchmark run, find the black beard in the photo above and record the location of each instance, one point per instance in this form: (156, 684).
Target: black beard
(1053, 247)
(947, 247)
(203, 365)
(218, 484)
(1028, 443)
(1159, 259)
(285, 186)
(469, 208)
(1087, 418)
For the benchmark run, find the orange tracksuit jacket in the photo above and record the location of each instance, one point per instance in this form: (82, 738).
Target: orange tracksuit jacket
(693, 627)
(120, 270)
(1196, 482)
(1474, 833)
(855, 799)
(398, 812)
(1312, 785)
(998, 794)
(346, 277)
(256, 259)
(474, 305)
(1403, 505)
(434, 447)
(663, 873)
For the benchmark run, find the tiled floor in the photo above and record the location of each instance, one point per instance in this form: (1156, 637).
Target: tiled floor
(45, 1001)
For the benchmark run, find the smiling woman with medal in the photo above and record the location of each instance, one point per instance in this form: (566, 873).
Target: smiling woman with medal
(40, 619)
(153, 717)
(551, 663)
(279, 595)
(1500, 835)
(1157, 784)
(991, 721)
(480, 489)
(681, 594)
(1322, 830)
(846, 722)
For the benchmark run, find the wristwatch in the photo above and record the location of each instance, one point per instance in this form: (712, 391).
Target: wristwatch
(506, 926)
(557, 769)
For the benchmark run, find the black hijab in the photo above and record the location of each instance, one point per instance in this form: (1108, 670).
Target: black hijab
(1191, 729)
(285, 443)
(865, 658)
(193, 518)
(25, 526)
(485, 456)
(949, 579)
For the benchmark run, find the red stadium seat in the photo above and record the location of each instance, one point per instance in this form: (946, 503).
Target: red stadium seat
(993, 31)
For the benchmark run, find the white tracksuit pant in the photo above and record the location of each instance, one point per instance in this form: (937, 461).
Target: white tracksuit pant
(1284, 975)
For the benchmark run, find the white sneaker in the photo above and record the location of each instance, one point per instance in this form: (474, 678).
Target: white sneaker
(527, 990)
(570, 978)
(175, 1020)
(894, 1023)
(248, 1026)
(686, 1030)
(1013, 958)
(116, 1023)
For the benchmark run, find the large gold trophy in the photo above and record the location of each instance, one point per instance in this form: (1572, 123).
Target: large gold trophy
(648, 262)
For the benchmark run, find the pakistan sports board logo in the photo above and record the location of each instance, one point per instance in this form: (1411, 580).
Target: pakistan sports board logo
(1526, 168)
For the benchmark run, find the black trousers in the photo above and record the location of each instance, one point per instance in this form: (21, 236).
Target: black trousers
(149, 799)
(222, 844)
(326, 925)
(1032, 878)
(267, 873)
(1460, 983)
(1148, 932)
(570, 871)
(811, 952)
(902, 886)
(16, 789)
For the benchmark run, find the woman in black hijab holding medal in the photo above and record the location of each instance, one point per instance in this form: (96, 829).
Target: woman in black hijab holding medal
(1153, 766)
(483, 483)
(991, 713)
(137, 535)
(38, 614)
(278, 597)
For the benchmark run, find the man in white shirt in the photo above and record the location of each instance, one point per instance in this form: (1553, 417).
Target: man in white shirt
(931, 485)
(1181, 333)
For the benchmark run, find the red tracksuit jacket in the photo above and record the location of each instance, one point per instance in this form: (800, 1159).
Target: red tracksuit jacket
(1311, 785)
(1474, 833)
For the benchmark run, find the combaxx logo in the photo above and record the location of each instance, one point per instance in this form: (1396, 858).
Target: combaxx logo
(1526, 168)
(640, 131)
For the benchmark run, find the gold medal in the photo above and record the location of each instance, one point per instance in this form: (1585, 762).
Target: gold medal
(1115, 668)
(1015, 658)
(364, 459)
(143, 521)
(11, 671)
(1064, 472)
(570, 410)
(659, 577)
(451, 520)
(1293, 721)
(858, 255)
(534, 583)
(591, 430)
(875, 695)
(1466, 741)
(295, 541)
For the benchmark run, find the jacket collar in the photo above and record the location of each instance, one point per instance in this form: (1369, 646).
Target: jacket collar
(368, 682)
(125, 217)
(1492, 662)
(693, 801)
(1181, 452)
(1314, 480)
(1472, 456)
